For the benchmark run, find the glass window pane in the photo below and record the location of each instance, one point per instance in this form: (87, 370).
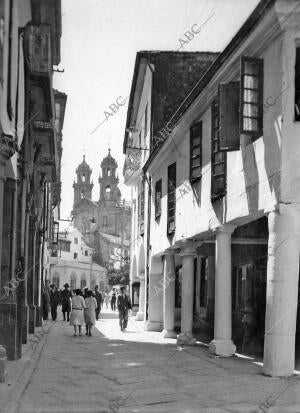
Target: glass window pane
(219, 169)
(250, 110)
(196, 172)
(250, 82)
(196, 151)
(250, 96)
(196, 141)
(196, 162)
(250, 124)
(251, 67)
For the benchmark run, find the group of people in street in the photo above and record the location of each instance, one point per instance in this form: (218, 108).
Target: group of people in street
(84, 306)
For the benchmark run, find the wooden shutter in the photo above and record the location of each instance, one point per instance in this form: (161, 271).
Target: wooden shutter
(218, 158)
(158, 195)
(171, 198)
(196, 152)
(142, 209)
(229, 95)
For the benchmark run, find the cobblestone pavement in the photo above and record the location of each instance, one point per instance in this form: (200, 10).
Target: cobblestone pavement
(137, 371)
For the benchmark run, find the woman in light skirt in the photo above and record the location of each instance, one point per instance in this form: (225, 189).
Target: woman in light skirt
(89, 312)
(76, 319)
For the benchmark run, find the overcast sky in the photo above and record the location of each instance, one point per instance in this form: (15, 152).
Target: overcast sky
(99, 43)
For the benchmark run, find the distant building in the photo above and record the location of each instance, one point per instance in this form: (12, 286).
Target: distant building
(72, 263)
(106, 223)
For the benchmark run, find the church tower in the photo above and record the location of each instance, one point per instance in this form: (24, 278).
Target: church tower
(109, 191)
(83, 185)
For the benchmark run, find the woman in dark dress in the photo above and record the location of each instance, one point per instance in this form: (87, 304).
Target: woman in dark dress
(66, 297)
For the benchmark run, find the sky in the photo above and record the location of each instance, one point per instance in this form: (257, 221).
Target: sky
(100, 39)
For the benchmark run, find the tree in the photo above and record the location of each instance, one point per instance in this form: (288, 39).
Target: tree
(119, 276)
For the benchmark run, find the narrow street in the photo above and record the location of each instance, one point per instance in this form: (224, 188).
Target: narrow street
(138, 371)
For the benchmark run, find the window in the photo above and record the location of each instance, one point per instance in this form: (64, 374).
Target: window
(195, 152)
(107, 189)
(73, 281)
(83, 282)
(108, 171)
(105, 221)
(83, 178)
(142, 207)
(297, 85)
(218, 158)
(243, 287)
(75, 255)
(86, 253)
(171, 198)
(75, 240)
(158, 196)
(82, 194)
(55, 279)
(251, 113)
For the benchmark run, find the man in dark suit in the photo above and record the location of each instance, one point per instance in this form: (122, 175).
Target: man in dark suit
(98, 297)
(54, 301)
(124, 305)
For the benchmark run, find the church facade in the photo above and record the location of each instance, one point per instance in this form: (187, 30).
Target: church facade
(106, 222)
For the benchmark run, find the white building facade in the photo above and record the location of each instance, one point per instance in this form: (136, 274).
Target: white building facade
(73, 264)
(220, 251)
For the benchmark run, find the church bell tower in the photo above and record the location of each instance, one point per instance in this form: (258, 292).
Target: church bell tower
(109, 191)
(82, 186)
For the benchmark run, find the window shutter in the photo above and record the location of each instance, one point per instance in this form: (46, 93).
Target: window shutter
(196, 152)
(171, 198)
(229, 95)
(158, 195)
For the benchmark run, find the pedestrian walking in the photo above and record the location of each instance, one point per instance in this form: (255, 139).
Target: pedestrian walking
(76, 319)
(84, 292)
(124, 305)
(99, 299)
(66, 297)
(46, 300)
(113, 300)
(54, 301)
(90, 312)
(106, 299)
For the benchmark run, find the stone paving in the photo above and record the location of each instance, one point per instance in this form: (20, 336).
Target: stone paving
(138, 371)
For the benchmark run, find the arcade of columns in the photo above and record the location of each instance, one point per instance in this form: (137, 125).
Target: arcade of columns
(282, 293)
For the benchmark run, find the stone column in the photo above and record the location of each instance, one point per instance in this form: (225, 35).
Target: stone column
(222, 344)
(282, 291)
(169, 295)
(187, 296)
(155, 298)
(140, 313)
